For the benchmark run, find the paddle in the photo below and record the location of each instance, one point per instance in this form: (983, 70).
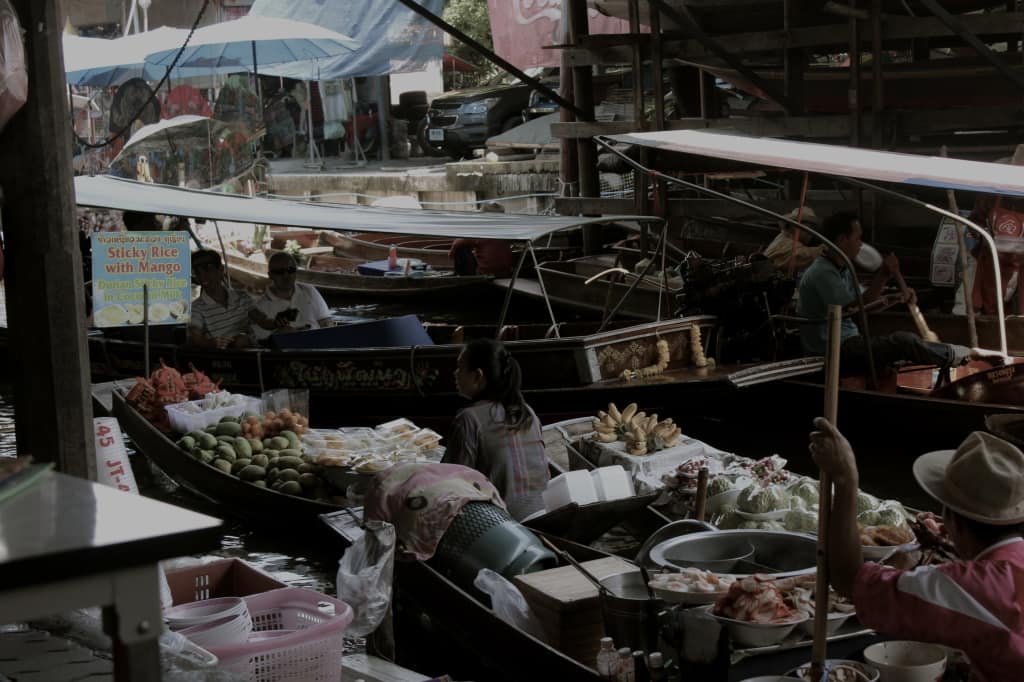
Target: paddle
(922, 327)
(819, 650)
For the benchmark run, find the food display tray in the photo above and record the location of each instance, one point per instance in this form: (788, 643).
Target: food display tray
(850, 629)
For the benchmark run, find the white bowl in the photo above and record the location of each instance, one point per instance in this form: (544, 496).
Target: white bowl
(867, 672)
(198, 612)
(757, 634)
(833, 622)
(688, 598)
(225, 631)
(902, 661)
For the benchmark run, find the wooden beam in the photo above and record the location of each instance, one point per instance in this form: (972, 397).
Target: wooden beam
(45, 295)
(608, 48)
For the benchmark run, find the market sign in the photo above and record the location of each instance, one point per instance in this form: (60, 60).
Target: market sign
(124, 263)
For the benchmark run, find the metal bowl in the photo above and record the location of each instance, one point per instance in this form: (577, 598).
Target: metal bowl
(754, 635)
(776, 553)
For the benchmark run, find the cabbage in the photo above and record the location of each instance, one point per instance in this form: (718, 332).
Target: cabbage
(800, 521)
(757, 500)
(798, 503)
(869, 518)
(728, 519)
(806, 489)
(866, 502)
(891, 513)
(719, 485)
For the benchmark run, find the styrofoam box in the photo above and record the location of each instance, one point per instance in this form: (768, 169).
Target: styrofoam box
(612, 483)
(572, 486)
(183, 422)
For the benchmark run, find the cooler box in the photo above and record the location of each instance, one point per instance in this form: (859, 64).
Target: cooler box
(406, 330)
(374, 268)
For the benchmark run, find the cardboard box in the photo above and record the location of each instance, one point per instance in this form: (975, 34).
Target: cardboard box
(568, 606)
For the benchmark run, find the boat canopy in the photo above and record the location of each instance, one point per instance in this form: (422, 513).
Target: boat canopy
(104, 191)
(865, 164)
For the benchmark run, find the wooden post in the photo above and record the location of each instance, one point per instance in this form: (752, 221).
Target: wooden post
(568, 168)
(45, 294)
(819, 648)
(576, 13)
(793, 60)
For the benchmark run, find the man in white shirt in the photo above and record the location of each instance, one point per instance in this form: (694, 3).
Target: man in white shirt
(286, 305)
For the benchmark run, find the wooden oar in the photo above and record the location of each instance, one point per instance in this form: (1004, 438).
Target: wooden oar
(819, 650)
(922, 327)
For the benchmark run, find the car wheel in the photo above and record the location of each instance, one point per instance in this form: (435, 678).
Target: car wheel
(428, 149)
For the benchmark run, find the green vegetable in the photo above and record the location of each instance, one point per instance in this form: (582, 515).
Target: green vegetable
(805, 489)
(866, 502)
(719, 485)
(800, 521)
(758, 500)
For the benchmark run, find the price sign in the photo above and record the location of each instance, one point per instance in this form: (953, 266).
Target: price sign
(112, 465)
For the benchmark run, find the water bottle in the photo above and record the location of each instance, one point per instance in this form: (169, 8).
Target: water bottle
(626, 671)
(392, 257)
(639, 667)
(656, 667)
(607, 659)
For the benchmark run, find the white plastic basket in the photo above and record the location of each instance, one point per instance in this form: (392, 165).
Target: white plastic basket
(183, 420)
(307, 642)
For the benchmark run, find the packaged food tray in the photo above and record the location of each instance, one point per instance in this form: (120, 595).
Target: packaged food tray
(296, 638)
(184, 420)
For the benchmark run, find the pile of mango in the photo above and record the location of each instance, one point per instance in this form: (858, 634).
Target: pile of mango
(277, 463)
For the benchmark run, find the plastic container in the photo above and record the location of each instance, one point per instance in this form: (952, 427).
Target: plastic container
(201, 612)
(233, 629)
(612, 483)
(902, 661)
(220, 578)
(311, 652)
(183, 420)
(395, 427)
(572, 486)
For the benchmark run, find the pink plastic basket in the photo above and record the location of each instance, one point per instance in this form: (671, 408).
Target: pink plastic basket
(311, 653)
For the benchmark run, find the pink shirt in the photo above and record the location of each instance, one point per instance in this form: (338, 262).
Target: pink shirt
(976, 606)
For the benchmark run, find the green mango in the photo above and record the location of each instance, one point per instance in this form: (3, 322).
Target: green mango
(242, 447)
(239, 464)
(290, 488)
(259, 483)
(226, 452)
(308, 481)
(289, 462)
(187, 443)
(207, 441)
(229, 429)
(223, 465)
(288, 475)
(228, 418)
(252, 473)
(261, 460)
(279, 443)
(256, 444)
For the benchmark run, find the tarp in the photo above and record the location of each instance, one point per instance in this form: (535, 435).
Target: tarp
(103, 191)
(393, 38)
(865, 164)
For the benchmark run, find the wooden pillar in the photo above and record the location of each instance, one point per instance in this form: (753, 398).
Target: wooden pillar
(583, 94)
(639, 177)
(793, 61)
(45, 299)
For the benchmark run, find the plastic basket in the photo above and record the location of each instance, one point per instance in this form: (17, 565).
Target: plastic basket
(221, 578)
(312, 653)
(183, 422)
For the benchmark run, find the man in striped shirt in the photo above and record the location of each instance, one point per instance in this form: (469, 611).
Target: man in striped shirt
(220, 316)
(975, 605)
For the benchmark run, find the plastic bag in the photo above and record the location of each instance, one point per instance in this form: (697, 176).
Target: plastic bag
(365, 576)
(508, 603)
(294, 399)
(13, 76)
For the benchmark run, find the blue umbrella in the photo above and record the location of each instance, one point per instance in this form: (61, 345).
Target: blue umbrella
(250, 41)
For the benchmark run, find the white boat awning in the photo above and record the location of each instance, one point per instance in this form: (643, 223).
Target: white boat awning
(864, 164)
(104, 191)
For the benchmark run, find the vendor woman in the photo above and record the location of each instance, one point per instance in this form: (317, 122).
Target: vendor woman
(498, 435)
(976, 605)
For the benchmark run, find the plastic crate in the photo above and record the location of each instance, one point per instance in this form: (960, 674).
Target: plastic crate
(306, 647)
(222, 578)
(183, 422)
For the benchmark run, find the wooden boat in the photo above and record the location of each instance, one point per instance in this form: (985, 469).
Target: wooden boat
(953, 328)
(233, 496)
(370, 246)
(565, 283)
(339, 277)
(563, 377)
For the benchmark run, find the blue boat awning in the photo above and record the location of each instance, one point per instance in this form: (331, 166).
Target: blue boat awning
(104, 191)
(864, 164)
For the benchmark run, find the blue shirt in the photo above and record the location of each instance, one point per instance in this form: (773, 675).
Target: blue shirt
(824, 284)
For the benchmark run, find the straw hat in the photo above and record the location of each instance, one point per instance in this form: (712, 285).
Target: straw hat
(983, 479)
(807, 217)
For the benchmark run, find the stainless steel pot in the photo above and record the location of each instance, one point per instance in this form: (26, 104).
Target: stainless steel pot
(776, 553)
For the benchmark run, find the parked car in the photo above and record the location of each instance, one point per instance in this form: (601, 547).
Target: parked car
(460, 121)
(540, 103)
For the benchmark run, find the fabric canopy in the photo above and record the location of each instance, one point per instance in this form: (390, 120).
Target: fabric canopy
(865, 164)
(99, 62)
(103, 191)
(394, 39)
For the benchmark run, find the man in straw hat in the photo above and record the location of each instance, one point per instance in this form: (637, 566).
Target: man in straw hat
(976, 605)
(788, 249)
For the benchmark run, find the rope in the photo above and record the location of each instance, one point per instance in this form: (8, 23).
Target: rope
(152, 94)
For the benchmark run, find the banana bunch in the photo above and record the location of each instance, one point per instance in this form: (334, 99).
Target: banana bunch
(612, 425)
(650, 370)
(697, 348)
(663, 434)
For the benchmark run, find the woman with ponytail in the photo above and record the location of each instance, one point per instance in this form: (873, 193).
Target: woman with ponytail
(498, 435)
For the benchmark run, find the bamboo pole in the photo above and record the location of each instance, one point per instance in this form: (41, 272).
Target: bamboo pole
(818, 652)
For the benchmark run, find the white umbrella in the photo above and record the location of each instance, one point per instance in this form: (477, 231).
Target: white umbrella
(247, 42)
